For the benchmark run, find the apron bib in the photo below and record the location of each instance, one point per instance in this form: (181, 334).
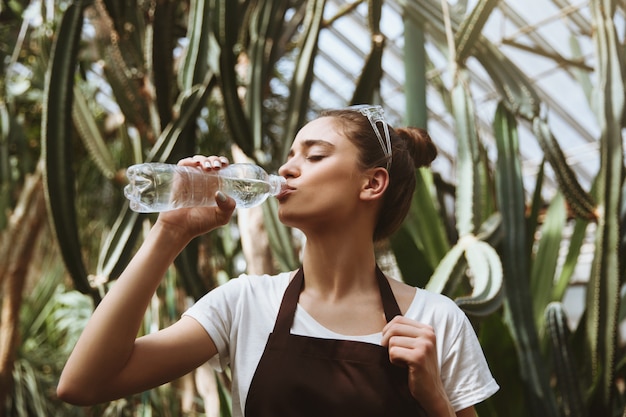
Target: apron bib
(301, 376)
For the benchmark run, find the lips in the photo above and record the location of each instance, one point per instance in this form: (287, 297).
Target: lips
(284, 193)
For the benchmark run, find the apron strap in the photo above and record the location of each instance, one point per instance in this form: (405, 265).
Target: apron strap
(390, 305)
(288, 306)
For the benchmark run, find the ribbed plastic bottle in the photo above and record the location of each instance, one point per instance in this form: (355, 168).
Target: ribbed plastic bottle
(156, 187)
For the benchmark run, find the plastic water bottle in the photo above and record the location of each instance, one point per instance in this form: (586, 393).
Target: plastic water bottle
(156, 187)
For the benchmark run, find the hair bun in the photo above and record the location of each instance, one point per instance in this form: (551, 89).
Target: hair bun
(419, 144)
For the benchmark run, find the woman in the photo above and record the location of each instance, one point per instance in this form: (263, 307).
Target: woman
(334, 338)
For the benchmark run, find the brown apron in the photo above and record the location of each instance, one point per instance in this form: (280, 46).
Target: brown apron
(301, 376)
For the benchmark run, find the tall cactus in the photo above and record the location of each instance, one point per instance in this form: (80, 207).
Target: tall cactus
(511, 201)
(568, 380)
(57, 143)
(604, 284)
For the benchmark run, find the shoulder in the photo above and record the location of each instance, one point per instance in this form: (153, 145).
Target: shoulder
(244, 290)
(265, 288)
(404, 294)
(428, 307)
(407, 295)
(238, 299)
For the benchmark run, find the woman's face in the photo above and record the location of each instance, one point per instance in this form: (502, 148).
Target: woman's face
(323, 177)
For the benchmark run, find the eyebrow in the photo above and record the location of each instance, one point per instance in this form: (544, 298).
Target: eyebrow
(310, 143)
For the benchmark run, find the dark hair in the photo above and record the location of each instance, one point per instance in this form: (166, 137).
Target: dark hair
(411, 148)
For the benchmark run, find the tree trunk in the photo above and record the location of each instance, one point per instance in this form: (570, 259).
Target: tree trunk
(16, 251)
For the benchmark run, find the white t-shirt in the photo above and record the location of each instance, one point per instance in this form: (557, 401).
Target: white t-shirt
(240, 314)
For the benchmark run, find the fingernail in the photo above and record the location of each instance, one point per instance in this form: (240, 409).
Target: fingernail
(207, 164)
(220, 196)
(217, 164)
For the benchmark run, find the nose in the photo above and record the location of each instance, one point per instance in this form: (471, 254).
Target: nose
(288, 169)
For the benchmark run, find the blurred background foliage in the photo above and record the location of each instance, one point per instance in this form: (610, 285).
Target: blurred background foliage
(90, 87)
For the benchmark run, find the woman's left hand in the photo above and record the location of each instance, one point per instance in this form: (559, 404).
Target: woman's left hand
(414, 345)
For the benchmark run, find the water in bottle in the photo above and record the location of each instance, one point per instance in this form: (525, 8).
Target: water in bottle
(156, 187)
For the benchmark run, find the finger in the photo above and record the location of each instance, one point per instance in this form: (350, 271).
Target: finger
(405, 320)
(215, 162)
(407, 327)
(399, 355)
(411, 350)
(413, 330)
(206, 162)
(224, 203)
(408, 342)
(196, 160)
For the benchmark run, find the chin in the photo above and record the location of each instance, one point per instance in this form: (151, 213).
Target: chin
(287, 217)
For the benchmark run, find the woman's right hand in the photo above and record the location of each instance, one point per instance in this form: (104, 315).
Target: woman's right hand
(192, 222)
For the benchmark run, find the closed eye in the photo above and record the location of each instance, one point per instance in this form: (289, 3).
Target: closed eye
(315, 158)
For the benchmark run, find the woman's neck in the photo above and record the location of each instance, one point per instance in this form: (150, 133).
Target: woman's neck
(341, 291)
(336, 267)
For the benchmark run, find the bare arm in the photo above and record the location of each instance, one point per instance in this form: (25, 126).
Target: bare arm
(466, 412)
(109, 361)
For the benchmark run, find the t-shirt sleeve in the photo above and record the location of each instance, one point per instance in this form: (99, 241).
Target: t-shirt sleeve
(464, 369)
(216, 311)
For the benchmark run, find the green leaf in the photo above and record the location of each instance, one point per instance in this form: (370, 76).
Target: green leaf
(537, 205)
(487, 277)
(544, 266)
(225, 29)
(423, 222)
(90, 135)
(470, 29)
(280, 238)
(579, 200)
(298, 100)
(468, 208)
(368, 85)
(190, 104)
(266, 23)
(444, 271)
(119, 244)
(195, 63)
(576, 241)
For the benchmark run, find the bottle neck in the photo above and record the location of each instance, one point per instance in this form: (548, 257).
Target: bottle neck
(276, 184)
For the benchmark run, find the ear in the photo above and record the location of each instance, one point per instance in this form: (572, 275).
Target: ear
(375, 183)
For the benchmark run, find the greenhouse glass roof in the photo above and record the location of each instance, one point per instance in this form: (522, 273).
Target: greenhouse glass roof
(534, 34)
